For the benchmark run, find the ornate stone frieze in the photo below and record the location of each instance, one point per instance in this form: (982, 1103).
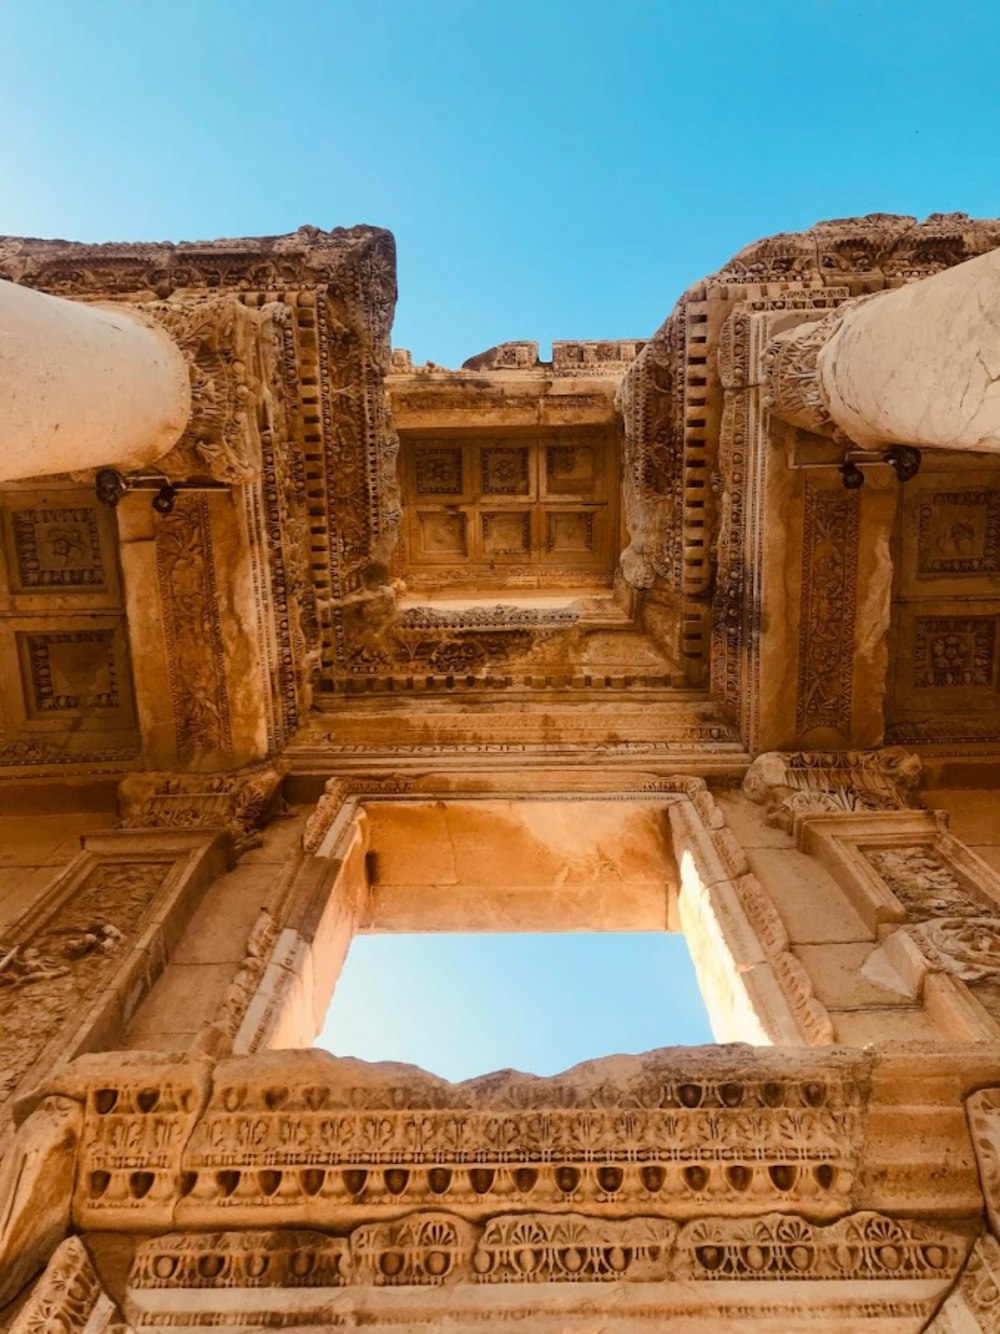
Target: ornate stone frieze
(241, 802)
(301, 1138)
(435, 1248)
(802, 783)
(381, 641)
(157, 270)
(41, 756)
(861, 1246)
(253, 1260)
(856, 251)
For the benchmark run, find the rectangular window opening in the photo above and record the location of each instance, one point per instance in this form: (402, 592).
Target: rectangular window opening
(532, 934)
(461, 1005)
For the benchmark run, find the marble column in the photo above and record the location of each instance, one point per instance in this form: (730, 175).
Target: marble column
(919, 365)
(84, 386)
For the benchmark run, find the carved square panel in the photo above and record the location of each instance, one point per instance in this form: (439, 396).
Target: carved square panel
(506, 533)
(570, 532)
(958, 532)
(946, 670)
(505, 470)
(570, 470)
(439, 470)
(954, 651)
(62, 677)
(950, 536)
(69, 670)
(441, 534)
(58, 548)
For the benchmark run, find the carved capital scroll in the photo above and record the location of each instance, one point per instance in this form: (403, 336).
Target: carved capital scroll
(973, 1305)
(796, 784)
(983, 1110)
(240, 802)
(793, 388)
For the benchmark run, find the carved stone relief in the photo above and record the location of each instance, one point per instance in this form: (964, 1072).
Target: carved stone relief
(88, 951)
(69, 1298)
(803, 783)
(241, 802)
(360, 1150)
(434, 1248)
(829, 605)
(53, 967)
(973, 1305)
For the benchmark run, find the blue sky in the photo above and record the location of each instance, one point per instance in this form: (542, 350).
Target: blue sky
(462, 1005)
(549, 170)
(556, 170)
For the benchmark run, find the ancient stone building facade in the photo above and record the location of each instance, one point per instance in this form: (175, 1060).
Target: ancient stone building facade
(300, 640)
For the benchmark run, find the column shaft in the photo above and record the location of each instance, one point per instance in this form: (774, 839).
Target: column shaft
(920, 365)
(84, 386)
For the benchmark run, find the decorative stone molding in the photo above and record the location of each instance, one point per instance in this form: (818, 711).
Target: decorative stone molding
(828, 606)
(240, 802)
(433, 1249)
(541, 1143)
(686, 1166)
(187, 577)
(798, 784)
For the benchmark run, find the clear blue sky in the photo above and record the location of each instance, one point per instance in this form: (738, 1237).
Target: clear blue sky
(463, 1005)
(549, 170)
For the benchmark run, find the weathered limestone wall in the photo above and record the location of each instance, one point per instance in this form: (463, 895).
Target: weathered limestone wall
(826, 933)
(519, 866)
(33, 850)
(973, 817)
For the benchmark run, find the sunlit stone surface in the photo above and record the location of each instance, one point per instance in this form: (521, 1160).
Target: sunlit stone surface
(610, 642)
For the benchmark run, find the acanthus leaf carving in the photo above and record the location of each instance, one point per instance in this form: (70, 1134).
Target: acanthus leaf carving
(802, 783)
(220, 338)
